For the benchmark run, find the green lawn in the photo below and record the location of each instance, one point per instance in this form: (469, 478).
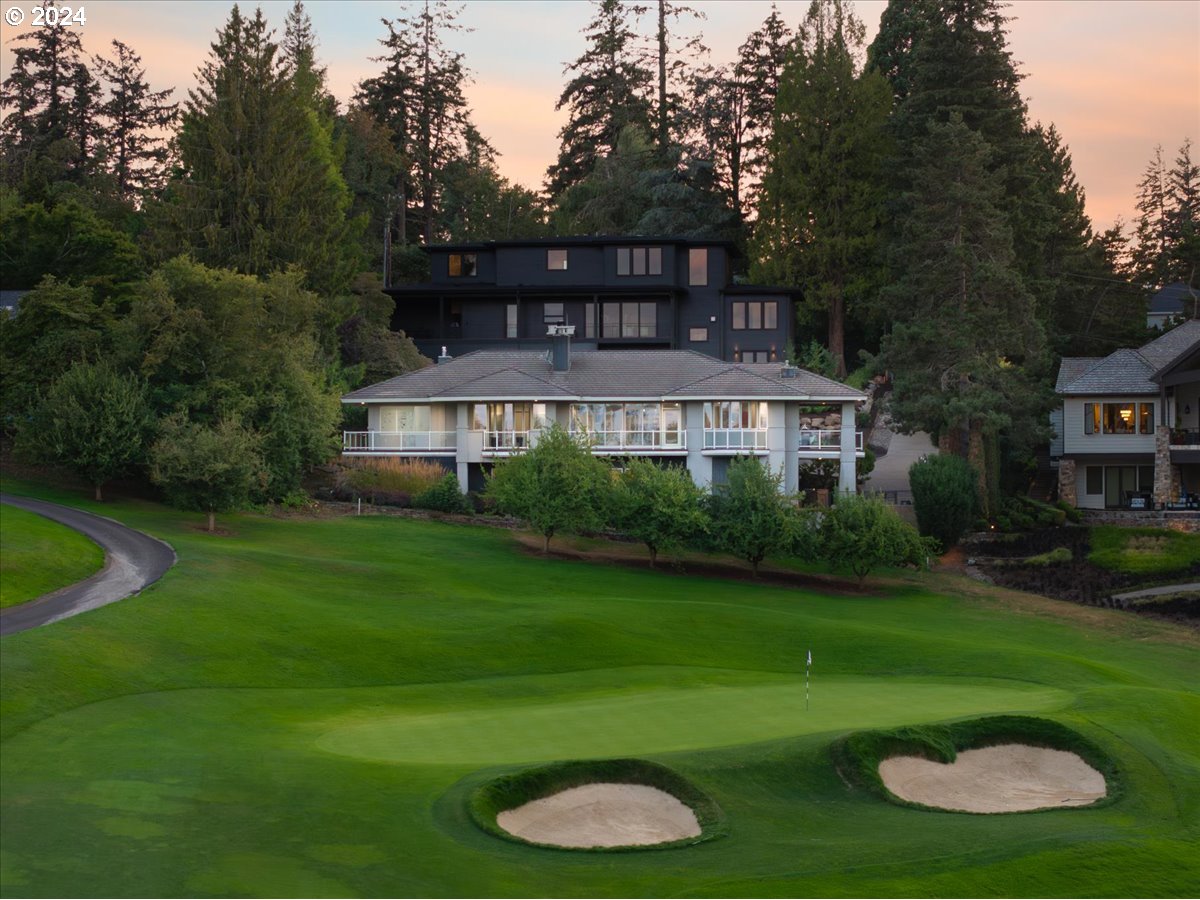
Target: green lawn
(303, 707)
(1143, 550)
(38, 556)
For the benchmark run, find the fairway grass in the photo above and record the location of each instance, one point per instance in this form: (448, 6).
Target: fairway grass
(306, 707)
(38, 556)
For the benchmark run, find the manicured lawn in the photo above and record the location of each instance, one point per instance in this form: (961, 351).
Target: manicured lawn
(38, 556)
(1143, 550)
(303, 707)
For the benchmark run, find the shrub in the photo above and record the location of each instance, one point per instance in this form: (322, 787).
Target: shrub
(862, 533)
(387, 480)
(945, 497)
(444, 496)
(1057, 555)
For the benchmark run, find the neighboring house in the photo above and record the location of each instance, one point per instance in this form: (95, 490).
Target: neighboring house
(1128, 432)
(676, 406)
(619, 293)
(1175, 301)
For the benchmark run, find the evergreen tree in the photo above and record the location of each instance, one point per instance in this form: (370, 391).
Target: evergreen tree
(760, 65)
(609, 90)
(820, 204)
(258, 186)
(51, 128)
(298, 51)
(675, 72)
(966, 350)
(132, 115)
(1151, 249)
(1184, 218)
(419, 99)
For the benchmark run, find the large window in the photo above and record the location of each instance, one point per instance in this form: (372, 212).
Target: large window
(1118, 418)
(404, 418)
(629, 424)
(698, 266)
(508, 424)
(735, 414)
(552, 314)
(556, 260)
(629, 320)
(755, 315)
(639, 260)
(510, 320)
(462, 265)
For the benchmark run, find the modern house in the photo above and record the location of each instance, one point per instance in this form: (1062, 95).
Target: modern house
(1128, 432)
(620, 293)
(676, 406)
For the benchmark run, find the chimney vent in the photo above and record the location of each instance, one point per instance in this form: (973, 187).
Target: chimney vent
(560, 352)
(788, 372)
(445, 357)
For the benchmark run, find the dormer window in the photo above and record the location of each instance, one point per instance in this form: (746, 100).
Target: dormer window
(556, 260)
(462, 265)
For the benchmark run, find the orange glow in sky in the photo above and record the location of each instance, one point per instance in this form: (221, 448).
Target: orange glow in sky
(1115, 77)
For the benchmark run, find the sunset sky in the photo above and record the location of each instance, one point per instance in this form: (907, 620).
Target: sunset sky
(1116, 78)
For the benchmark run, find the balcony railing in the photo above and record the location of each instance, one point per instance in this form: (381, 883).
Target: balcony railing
(634, 440)
(1181, 438)
(505, 441)
(826, 439)
(398, 441)
(735, 439)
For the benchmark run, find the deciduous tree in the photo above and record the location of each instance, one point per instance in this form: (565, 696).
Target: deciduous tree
(658, 505)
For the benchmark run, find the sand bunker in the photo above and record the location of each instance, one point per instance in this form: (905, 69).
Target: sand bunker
(1004, 778)
(602, 815)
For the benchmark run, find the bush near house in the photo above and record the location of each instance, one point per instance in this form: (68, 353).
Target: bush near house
(864, 533)
(945, 497)
(388, 480)
(444, 496)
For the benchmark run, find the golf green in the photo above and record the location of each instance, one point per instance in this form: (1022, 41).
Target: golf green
(303, 707)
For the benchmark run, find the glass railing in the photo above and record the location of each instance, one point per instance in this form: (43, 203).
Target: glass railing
(826, 439)
(397, 441)
(634, 440)
(735, 439)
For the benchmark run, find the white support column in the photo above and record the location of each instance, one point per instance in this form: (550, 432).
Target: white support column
(777, 444)
(699, 465)
(791, 456)
(462, 427)
(848, 474)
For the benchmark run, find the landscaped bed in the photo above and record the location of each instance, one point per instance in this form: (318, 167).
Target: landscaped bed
(1090, 565)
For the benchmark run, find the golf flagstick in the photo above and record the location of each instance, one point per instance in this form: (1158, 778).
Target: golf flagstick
(807, 669)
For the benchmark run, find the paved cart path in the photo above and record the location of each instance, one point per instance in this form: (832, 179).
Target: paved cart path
(132, 561)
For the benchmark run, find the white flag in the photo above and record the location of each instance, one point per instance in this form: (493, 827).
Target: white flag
(810, 657)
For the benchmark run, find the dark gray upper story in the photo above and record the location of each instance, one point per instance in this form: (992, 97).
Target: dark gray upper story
(618, 292)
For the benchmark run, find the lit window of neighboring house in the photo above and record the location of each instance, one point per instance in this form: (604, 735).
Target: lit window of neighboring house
(462, 265)
(1118, 418)
(698, 266)
(556, 260)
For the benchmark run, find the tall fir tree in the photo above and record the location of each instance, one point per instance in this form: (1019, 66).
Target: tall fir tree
(258, 186)
(49, 130)
(820, 204)
(133, 115)
(1183, 184)
(967, 347)
(419, 98)
(610, 89)
(676, 57)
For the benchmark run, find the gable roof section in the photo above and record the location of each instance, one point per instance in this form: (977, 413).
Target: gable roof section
(1123, 372)
(1163, 351)
(1128, 371)
(599, 374)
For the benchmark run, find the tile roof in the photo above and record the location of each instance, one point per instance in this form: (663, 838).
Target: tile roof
(1128, 371)
(601, 374)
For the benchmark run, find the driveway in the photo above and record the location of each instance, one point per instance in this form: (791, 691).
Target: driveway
(132, 560)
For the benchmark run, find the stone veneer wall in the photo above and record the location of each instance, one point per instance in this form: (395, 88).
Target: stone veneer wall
(1162, 466)
(1066, 481)
(1175, 521)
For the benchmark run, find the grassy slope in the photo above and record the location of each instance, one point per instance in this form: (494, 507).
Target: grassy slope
(1143, 550)
(38, 556)
(303, 707)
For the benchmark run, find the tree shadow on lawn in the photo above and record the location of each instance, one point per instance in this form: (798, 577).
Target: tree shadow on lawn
(635, 556)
